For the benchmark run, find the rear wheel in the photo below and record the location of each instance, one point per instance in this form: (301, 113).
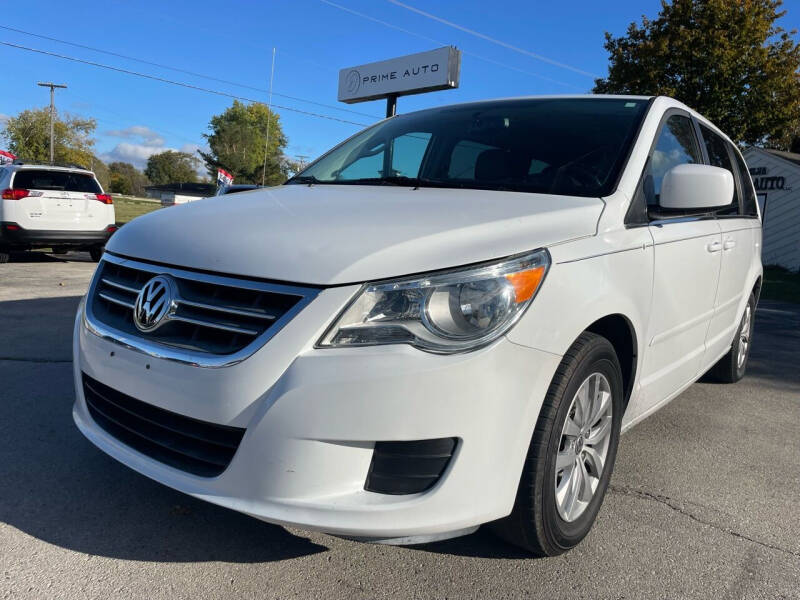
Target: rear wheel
(731, 367)
(96, 252)
(4, 256)
(572, 452)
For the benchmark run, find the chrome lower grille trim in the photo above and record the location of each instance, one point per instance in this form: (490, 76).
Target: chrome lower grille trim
(219, 320)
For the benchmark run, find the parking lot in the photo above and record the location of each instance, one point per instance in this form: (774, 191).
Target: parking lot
(703, 500)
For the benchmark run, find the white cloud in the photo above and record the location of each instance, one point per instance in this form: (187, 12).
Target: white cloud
(145, 135)
(138, 153)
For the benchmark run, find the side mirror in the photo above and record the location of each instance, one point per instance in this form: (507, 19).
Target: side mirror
(694, 187)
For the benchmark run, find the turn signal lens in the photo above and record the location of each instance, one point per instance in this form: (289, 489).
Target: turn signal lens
(526, 283)
(443, 312)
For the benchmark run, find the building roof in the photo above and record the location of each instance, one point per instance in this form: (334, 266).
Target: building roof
(790, 156)
(185, 189)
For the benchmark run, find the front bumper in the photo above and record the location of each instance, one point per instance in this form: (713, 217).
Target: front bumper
(12, 235)
(312, 417)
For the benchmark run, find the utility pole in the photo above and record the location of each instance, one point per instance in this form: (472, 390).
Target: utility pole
(269, 117)
(52, 87)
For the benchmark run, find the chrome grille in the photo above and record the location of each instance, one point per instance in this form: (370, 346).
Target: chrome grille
(214, 315)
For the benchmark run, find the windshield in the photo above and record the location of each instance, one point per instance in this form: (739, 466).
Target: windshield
(567, 146)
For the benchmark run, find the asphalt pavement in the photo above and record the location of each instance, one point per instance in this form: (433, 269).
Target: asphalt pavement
(703, 501)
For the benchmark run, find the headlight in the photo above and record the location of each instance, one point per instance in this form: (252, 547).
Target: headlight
(451, 311)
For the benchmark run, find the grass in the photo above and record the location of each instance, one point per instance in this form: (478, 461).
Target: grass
(127, 208)
(781, 284)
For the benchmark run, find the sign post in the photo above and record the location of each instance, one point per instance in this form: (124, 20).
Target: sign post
(438, 69)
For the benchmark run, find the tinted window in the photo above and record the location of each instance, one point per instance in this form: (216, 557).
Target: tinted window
(749, 201)
(463, 158)
(718, 156)
(33, 179)
(676, 145)
(574, 146)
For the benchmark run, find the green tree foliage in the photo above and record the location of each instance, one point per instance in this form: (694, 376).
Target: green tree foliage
(237, 140)
(28, 136)
(728, 59)
(171, 167)
(127, 179)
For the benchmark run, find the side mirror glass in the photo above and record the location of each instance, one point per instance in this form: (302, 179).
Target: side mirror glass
(696, 187)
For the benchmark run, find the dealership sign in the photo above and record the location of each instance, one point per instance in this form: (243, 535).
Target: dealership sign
(413, 74)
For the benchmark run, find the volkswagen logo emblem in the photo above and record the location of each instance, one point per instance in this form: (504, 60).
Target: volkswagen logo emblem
(155, 303)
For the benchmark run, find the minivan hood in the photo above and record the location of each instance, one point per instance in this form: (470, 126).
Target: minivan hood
(335, 234)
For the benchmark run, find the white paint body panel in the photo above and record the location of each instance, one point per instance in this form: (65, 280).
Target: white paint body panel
(313, 415)
(276, 233)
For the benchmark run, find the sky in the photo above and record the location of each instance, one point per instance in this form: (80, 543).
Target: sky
(510, 48)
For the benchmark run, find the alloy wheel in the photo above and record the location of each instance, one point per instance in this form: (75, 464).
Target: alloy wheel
(744, 337)
(583, 447)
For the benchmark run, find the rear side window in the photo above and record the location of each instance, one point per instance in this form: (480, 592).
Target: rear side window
(35, 179)
(676, 145)
(749, 202)
(718, 156)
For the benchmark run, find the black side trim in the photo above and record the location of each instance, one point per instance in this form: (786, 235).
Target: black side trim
(408, 467)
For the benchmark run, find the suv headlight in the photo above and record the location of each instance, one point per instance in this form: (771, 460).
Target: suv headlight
(444, 312)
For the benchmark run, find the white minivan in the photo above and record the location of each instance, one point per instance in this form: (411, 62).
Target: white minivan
(47, 206)
(445, 321)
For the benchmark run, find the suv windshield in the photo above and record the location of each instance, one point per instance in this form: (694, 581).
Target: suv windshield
(567, 146)
(36, 179)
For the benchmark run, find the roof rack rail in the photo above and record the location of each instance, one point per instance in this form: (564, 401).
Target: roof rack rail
(66, 165)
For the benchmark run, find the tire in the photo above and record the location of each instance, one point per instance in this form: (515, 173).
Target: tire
(96, 253)
(4, 256)
(731, 367)
(538, 522)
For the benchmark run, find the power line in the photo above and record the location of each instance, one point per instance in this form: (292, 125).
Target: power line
(178, 83)
(441, 43)
(491, 39)
(184, 71)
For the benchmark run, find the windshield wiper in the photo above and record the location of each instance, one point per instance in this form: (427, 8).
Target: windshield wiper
(400, 180)
(309, 179)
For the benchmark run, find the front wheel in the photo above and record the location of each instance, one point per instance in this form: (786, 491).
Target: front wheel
(572, 452)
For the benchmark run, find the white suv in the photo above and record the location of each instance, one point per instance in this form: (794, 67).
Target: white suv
(445, 321)
(45, 206)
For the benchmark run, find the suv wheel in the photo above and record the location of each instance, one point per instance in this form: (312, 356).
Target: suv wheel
(96, 252)
(4, 256)
(731, 367)
(572, 452)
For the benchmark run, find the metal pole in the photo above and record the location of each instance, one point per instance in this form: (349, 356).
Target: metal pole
(391, 106)
(52, 87)
(269, 118)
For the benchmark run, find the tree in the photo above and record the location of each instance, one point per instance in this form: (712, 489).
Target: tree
(728, 60)
(171, 167)
(127, 179)
(237, 141)
(28, 136)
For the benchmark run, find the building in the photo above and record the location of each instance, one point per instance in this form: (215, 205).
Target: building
(776, 175)
(180, 193)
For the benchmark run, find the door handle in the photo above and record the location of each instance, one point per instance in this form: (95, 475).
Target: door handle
(714, 247)
(729, 244)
